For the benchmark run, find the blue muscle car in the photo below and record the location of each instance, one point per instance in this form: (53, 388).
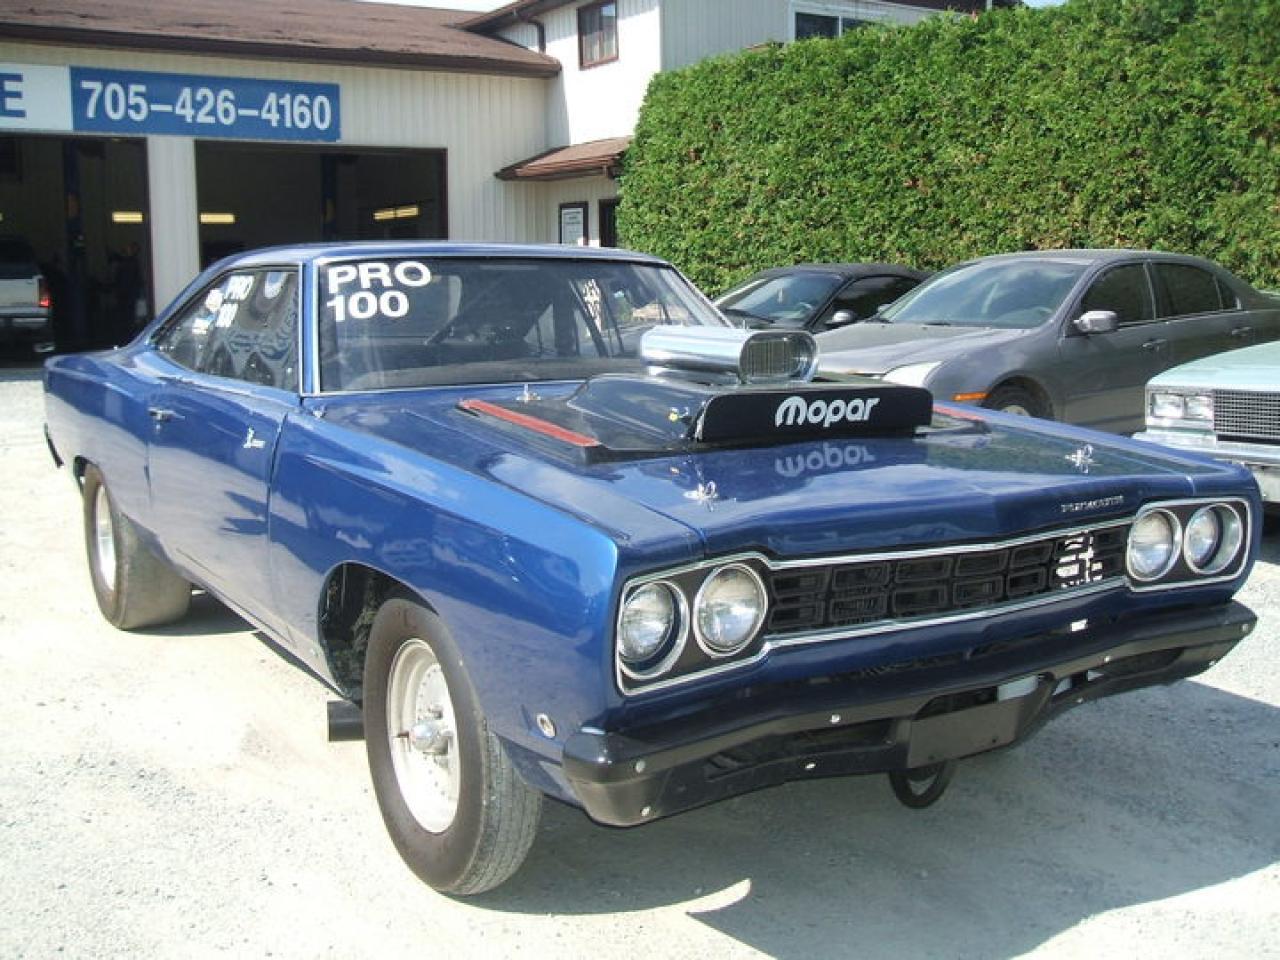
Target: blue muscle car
(550, 526)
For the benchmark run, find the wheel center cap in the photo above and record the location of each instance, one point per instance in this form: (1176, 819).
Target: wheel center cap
(430, 737)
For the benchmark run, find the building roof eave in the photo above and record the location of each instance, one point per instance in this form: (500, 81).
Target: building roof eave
(597, 158)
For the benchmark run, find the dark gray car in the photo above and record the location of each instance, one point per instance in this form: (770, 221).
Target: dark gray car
(1072, 334)
(817, 296)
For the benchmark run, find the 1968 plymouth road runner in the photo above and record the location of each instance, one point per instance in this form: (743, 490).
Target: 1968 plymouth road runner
(550, 525)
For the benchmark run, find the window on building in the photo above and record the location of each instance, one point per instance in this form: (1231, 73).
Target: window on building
(597, 33)
(824, 25)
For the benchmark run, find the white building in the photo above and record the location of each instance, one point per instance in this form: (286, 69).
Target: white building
(194, 129)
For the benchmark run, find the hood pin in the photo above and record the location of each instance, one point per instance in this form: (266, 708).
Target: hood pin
(705, 493)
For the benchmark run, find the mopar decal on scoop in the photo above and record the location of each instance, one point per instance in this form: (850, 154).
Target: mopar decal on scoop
(826, 411)
(794, 412)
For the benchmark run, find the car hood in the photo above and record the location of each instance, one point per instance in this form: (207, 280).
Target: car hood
(1251, 368)
(877, 348)
(962, 480)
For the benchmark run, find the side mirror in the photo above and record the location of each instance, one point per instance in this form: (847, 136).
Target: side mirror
(1097, 321)
(842, 318)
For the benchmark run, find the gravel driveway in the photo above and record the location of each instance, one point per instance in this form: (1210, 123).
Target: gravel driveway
(171, 793)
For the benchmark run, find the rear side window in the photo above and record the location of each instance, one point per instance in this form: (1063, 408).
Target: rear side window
(1124, 290)
(1188, 289)
(864, 297)
(244, 327)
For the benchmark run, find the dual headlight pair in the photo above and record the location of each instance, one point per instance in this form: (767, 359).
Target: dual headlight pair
(1180, 405)
(722, 608)
(1177, 542)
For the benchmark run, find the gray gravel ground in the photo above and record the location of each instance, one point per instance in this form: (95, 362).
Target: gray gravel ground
(171, 794)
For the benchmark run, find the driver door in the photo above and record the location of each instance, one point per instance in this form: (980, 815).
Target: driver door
(227, 380)
(1104, 375)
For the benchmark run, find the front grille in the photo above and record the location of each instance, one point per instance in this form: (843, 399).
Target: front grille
(853, 593)
(1244, 415)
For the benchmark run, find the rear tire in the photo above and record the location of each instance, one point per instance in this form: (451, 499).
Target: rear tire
(1018, 401)
(134, 588)
(456, 810)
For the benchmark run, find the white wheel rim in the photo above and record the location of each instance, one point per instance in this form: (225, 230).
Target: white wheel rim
(1015, 408)
(423, 736)
(104, 534)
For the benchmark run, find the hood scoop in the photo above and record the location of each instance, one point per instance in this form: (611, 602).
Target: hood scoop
(702, 396)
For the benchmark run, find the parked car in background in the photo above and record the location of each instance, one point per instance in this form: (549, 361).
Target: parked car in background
(1071, 335)
(25, 317)
(550, 526)
(817, 296)
(1226, 406)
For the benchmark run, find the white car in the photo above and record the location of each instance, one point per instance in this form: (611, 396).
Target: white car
(24, 298)
(1227, 406)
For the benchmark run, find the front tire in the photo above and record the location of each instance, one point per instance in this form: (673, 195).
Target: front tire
(134, 588)
(456, 810)
(1018, 401)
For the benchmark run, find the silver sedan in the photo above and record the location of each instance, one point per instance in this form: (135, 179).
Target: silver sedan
(1072, 335)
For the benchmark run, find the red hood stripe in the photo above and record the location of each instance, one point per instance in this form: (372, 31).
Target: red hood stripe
(529, 423)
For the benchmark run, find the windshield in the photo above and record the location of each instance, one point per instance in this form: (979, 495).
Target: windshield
(413, 322)
(779, 299)
(1014, 294)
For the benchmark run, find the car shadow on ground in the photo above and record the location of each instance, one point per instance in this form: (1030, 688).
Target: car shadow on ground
(207, 616)
(1122, 802)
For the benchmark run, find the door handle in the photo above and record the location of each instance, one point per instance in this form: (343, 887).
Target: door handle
(1241, 331)
(161, 414)
(1154, 344)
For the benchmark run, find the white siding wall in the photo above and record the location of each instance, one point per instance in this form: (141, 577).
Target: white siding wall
(603, 101)
(695, 29)
(484, 122)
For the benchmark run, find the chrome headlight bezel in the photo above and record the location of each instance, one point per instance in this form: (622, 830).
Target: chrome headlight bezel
(690, 655)
(1229, 557)
(1228, 541)
(1174, 546)
(710, 648)
(672, 645)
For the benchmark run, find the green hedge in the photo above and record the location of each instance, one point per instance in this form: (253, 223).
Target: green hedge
(1138, 123)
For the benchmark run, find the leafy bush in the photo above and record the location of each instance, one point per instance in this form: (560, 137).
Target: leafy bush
(1136, 123)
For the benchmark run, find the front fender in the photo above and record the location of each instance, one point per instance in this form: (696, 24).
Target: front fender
(527, 591)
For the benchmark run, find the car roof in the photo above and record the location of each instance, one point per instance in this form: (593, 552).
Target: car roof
(848, 270)
(315, 252)
(1091, 256)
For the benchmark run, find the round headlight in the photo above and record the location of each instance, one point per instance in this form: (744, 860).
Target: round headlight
(1153, 545)
(649, 628)
(729, 610)
(1213, 538)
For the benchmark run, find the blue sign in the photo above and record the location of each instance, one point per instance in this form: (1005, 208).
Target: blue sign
(131, 102)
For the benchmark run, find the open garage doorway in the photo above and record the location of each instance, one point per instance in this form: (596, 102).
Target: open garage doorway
(80, 205)
(252, 195)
